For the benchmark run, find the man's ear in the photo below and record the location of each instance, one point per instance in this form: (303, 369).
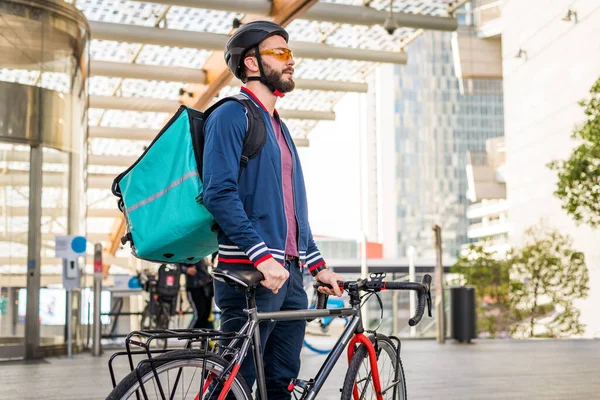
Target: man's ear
(251, 64)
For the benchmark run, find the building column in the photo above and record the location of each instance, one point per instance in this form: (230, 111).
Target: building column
(34, 243)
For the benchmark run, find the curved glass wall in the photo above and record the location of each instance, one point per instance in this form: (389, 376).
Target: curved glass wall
(43, 147)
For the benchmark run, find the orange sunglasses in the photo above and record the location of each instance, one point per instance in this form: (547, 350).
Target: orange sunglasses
(281, 53)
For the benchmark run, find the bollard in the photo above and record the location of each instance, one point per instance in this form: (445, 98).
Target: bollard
(69, 323)
(439, 287)
(97, 347)
(364, 273)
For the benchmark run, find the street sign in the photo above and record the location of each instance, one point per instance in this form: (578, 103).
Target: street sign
(70, 246)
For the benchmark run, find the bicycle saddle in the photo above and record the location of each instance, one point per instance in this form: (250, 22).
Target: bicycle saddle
(247, 279)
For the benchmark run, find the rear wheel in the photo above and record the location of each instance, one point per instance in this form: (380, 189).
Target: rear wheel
(360, 373)
(180, 375)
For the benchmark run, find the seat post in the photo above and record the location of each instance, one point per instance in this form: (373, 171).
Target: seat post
(251, 297)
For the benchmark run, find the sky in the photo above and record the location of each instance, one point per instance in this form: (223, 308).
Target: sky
(331, 172)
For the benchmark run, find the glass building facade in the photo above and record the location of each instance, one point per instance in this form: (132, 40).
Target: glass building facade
(435, 124)
(44, 71)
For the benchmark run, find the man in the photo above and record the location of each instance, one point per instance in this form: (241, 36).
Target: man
(262, 212)
(199, 288)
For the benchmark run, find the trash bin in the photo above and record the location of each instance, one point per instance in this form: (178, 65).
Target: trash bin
(463, 313)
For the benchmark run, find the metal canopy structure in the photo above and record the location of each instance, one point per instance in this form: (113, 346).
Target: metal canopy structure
(337, 12)
(191, 75)
(147, 57)
(337, 44)
(216, 42)
(176, 56)
(170, 106)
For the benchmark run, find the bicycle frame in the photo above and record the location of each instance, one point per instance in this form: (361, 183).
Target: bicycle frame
(238, 343)
(353, 334)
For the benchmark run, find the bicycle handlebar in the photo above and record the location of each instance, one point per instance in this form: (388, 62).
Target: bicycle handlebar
(322, 300)
(423, 296)
(376, 284)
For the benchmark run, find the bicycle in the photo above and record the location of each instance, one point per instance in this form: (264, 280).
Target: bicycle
(219, 365)
(321, 332)
(159, 308)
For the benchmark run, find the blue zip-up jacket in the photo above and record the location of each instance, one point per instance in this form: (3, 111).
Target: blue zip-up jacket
(250, 212)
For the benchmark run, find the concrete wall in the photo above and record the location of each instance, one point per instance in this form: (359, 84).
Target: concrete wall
(386, 142)
(541, 92)
(474, 57)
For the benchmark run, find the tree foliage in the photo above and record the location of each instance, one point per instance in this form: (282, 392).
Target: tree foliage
(578, 185)
(547, 276)
(488, 272)
(530, 291)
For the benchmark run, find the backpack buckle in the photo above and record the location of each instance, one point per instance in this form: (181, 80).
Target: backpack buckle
(126, 238)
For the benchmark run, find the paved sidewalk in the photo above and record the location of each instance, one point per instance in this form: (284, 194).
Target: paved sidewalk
(541, 369)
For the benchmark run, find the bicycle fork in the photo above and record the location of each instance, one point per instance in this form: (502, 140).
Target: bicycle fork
(362, 339)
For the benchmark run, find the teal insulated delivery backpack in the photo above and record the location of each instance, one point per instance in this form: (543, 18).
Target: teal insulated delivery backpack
(160, 195)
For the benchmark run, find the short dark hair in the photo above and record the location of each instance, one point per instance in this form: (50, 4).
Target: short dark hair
(251, 52)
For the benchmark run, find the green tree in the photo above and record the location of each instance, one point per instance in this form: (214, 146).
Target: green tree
(547, 275)
(578, 185)
(488, 272)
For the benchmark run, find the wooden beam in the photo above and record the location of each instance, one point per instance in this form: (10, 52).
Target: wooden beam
(115, 235)
(285, 11)
(218, 75)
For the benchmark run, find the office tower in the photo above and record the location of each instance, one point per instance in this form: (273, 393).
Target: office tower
(437, 119)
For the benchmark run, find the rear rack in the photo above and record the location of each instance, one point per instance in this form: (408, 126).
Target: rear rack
(143, 340)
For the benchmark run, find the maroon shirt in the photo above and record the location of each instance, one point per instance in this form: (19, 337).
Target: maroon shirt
(291, 244)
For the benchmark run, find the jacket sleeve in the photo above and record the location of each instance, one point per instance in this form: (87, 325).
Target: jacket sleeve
(314, 259)
(224, 133)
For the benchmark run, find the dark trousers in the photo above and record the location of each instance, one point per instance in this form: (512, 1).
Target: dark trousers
(201, 301)
(281, 341)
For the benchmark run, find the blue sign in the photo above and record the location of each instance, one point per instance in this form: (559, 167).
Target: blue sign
(78, 244)
(70, 246)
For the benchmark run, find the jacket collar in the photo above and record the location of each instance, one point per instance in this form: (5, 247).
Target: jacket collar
(251, 95)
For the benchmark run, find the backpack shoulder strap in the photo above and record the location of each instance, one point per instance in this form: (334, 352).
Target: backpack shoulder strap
(256, 133)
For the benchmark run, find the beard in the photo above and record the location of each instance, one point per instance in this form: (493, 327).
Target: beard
(276, 79)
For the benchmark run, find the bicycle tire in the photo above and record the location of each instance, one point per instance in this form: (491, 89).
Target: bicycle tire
(310, 341)
(313, 343)
(316, 349)
(360, 355)
(188, 358)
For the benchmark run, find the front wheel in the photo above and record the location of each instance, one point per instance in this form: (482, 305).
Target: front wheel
(179, 373)
(360, 374)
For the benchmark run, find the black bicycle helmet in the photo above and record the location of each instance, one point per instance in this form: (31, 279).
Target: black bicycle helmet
(249, 36)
